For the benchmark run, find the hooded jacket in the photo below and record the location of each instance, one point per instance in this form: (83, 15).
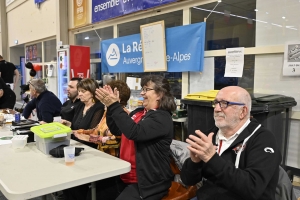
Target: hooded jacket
(257, 175)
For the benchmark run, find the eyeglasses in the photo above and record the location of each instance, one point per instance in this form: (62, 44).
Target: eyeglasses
(225, 104)
(145, 89)
(29, 82)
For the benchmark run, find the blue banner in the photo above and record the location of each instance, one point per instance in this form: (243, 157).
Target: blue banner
(184, 47)
(106, 9)
(153, 3)
(39, 1)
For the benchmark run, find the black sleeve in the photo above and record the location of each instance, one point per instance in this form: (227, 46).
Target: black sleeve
(111, 124)
(96, 118)
(155, 124)
(191, 172)
(2, 84)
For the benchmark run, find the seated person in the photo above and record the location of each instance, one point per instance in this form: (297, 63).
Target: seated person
(213, 155)
(146, 133)
(68, 108)
(89, 112)
(86, 116)
(7, 96)
(107, 142)
(47, 105)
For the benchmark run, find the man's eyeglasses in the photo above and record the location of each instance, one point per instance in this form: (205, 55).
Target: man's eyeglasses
(224, 104)
(29, 82)
(145, 89)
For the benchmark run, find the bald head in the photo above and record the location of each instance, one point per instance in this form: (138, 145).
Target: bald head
(237, 94)
(232, 109)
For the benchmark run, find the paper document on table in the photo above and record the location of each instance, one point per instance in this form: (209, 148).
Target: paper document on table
(234, 62)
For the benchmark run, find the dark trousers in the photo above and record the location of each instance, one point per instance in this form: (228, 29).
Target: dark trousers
(131, 192)
(108, 189)
(76, 193)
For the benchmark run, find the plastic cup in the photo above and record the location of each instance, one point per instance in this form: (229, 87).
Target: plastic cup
(69, 153)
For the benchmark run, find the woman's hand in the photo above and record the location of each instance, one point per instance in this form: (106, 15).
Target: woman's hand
(66, 123)
(82, 136)
(107, 96)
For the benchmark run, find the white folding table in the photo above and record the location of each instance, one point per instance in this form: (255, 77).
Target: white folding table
(27, 173)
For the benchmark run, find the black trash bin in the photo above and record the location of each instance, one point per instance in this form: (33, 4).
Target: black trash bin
(272, 111)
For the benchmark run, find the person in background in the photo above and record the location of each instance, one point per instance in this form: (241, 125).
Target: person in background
(9, 73)
(47, 105)
(89, 112)
(213, 155)
(110, 188)
(147, 135)
(107, 142)
(7, 96)
(68, 108)
(86, 116)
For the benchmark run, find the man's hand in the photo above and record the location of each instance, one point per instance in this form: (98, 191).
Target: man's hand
(201, 147)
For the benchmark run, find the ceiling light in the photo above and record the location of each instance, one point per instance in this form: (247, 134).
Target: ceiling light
(267, 13)
(86, 38)
(255, 10)
(283, 17)
(276, 25)
(219, 1)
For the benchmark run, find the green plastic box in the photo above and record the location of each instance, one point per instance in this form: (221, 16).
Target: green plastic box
(51, 135)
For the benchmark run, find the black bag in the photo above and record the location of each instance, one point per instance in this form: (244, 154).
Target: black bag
(58, 152)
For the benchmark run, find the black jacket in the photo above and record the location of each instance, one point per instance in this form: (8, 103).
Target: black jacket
(152, 137)
(68, 109)
(7, 70)
(8, 99)
(257, 175)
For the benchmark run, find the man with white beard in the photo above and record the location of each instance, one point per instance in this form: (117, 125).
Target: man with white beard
(238, 159)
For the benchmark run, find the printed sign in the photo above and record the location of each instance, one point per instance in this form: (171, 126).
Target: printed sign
(31, 52)
(106, 9)
(291, 63)
(234, 62)
(124, 54)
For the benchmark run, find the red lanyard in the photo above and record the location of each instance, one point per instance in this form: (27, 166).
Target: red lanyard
(220, 146)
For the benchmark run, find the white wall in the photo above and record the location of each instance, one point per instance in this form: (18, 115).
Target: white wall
(268, 68)
(274, 30)
(36, 24)
(269, 80)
